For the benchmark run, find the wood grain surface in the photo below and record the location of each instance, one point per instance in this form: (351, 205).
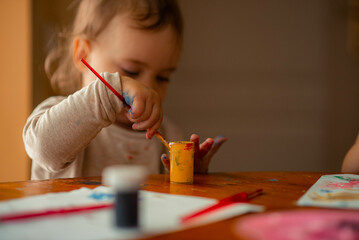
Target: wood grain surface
(281, 191)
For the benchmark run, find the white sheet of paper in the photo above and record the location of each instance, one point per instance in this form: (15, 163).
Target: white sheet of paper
(159, 213)
(333, 191)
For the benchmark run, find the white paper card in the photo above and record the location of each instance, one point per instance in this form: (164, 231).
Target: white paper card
(333, 191)
(159, 213)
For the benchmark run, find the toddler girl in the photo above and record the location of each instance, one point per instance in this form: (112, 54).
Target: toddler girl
(136, 45)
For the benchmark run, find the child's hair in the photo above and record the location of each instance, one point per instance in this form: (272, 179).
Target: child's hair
(91, 19)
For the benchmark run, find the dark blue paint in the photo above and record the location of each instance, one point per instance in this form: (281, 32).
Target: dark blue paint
(126, 209)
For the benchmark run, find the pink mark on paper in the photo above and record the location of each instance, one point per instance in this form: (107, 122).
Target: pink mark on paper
(352, 184)
(300, 224)
(348, 185)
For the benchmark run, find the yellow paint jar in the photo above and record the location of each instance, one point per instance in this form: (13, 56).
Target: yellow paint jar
(181, 157)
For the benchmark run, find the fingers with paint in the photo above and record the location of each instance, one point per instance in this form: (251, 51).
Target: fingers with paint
(143, 103)
(146, 110)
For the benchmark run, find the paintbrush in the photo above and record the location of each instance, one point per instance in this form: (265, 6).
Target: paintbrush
(236, 198)
(51, 212)
(157, 134)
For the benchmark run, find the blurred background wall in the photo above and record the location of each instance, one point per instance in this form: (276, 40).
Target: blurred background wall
(279, 78)
(15, 88)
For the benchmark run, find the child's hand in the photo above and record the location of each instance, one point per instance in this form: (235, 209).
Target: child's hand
(202, 153)
(146, 110)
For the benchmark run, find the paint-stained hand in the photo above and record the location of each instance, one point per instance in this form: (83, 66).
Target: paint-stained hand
(203, 153)
(146, 110)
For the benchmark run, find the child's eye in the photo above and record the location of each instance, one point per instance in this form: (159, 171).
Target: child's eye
(163, 79)
(130, 73)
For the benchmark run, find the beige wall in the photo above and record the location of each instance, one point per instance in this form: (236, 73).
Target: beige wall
(15, 27)
(275, 77)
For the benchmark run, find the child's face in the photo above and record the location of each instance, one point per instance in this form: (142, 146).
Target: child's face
(148, 56)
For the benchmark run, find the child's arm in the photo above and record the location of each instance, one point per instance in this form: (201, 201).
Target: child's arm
(55, 134)
(203, 153)
(351, 160)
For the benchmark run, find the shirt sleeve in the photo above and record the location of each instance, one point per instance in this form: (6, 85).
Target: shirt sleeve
(60, 128)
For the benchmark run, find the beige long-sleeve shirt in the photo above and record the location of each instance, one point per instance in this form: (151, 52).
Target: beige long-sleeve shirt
(76, 136)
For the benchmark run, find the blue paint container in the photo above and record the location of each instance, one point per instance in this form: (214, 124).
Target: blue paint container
(125, 180)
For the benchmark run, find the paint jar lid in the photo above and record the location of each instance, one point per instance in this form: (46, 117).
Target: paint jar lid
(124, 177)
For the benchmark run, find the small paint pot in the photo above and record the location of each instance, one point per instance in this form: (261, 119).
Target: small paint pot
(125, 180)
(181, 165)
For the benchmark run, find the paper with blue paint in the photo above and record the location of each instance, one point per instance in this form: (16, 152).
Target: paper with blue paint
(333, 191)
(160, 213)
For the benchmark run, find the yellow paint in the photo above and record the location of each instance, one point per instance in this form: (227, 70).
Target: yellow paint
(181, 157)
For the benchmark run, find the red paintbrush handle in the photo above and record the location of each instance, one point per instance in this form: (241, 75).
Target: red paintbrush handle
(106, 83)
(12, 217)
(239, 197)
(222, 203)
(204, 211)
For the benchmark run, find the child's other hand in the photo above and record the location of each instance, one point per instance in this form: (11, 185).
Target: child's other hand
(146, 110)
(203, 153)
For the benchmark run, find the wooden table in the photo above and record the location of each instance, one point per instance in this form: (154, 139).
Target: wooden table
(281, 190)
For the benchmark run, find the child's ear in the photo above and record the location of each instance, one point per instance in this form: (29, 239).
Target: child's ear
(81, 48)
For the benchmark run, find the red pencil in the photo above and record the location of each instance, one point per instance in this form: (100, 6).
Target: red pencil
(239, 197)
(61, 211)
